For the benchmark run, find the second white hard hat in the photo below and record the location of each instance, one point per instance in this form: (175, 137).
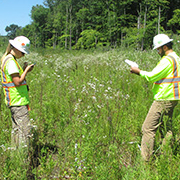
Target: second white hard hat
(21, 43)
(160, 40)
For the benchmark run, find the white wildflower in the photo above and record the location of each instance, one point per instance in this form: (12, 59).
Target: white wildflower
(99, 106)
(93, 86)
(94, 98)
(96, 79)
(3, 147)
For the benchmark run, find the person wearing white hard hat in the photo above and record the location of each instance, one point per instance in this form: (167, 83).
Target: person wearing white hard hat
(166, 92)
(16, 90)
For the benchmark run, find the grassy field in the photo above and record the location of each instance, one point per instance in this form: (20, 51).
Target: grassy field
(87, 110)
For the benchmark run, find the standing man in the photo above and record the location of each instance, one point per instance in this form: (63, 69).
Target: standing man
(166, 91)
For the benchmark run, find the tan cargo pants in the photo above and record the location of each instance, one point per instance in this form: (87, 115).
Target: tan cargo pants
(153, 120)
(21, 128)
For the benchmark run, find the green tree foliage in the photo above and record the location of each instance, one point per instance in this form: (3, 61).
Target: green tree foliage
(3, 42)
(174, 23)
(39, 15)
(12, 30)
(65, 23)
(89, 39)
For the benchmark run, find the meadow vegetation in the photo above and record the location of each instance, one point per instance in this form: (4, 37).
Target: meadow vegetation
(87, 110)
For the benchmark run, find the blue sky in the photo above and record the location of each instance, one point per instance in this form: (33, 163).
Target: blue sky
(16, 12)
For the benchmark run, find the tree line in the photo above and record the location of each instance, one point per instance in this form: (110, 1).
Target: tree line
(76, 24)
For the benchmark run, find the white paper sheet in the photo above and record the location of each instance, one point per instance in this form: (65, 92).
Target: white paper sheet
(131, 63)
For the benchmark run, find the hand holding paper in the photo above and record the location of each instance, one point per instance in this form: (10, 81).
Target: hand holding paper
(131, 63)
(134, 66)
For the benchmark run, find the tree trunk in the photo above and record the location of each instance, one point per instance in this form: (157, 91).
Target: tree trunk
(70, 24)
(108, 21)
(145, 18)
(139, 19)
(159, 19)
(55, 40)
(66, 26)
(138, 26)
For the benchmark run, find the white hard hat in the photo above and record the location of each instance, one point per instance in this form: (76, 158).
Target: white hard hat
(21, 43)
(160, 40)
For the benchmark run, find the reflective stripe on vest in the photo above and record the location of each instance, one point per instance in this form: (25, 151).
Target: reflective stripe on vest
(7, 85)
(175, 79)
(11, 84)
(4, 80)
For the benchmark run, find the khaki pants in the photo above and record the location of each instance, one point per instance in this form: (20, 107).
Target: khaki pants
(21, 128)
(153, 120)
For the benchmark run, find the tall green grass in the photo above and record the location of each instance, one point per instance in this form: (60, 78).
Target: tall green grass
(87, 110)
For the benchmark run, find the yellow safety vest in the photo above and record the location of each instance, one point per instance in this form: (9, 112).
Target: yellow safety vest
(168, 88)
(14, 95)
